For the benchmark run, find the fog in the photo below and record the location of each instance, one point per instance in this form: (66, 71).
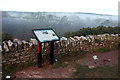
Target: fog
(20, 24)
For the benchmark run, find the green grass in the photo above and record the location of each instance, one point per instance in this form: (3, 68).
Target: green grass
(63, 55)
(11, 69)
(75, 53)
(57, 65)
(83, 52)
(102, 50)
(64, 65)
(8, 70)
(70, 56)
(29, 64)
(80, 54)
(98, 72)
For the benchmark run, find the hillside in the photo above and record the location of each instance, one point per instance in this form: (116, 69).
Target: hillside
(20, 24)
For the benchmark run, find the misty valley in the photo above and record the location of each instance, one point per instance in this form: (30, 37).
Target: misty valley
(20, 24)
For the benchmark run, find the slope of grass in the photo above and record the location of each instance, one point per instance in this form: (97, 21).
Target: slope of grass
(98, 72)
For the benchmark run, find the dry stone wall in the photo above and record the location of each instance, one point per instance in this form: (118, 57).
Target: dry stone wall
(30, 55)
(20, 57)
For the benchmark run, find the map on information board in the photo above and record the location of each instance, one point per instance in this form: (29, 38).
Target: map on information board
(45, 35)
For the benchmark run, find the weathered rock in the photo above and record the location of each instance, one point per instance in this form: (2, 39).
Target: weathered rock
(34, 60)
(12, 60)
(23, 61)
(17, 61)
(27, 56)
(21, 57)
(4, 61)
(17, 54)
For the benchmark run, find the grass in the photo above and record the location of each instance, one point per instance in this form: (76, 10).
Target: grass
(83, 52)
(57, 65)
(8, 70)
(102, 50)
(70, 56)
(29, 64)
(98, 72)
(11, 69)
(75, 53)
(63, 55)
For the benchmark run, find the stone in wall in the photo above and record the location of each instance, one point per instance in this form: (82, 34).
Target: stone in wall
(17, 55)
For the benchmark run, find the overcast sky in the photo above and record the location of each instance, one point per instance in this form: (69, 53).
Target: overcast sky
(90, 6)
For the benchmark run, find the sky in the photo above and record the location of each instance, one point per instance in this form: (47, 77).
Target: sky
(90, 6)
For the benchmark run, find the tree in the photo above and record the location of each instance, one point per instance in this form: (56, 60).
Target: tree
(94, 31)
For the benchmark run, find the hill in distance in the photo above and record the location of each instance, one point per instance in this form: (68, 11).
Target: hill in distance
(20, 24)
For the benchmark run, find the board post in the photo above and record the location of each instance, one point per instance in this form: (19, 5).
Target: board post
(52, 52)
(39, 54)
(44, 36)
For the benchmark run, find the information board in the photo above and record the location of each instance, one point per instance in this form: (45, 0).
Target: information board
(45, 35)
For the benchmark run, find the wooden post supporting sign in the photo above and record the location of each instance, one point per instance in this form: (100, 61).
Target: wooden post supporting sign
(39, 54)
(52, 52)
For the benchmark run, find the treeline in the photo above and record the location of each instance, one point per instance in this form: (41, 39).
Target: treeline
(94, 31)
